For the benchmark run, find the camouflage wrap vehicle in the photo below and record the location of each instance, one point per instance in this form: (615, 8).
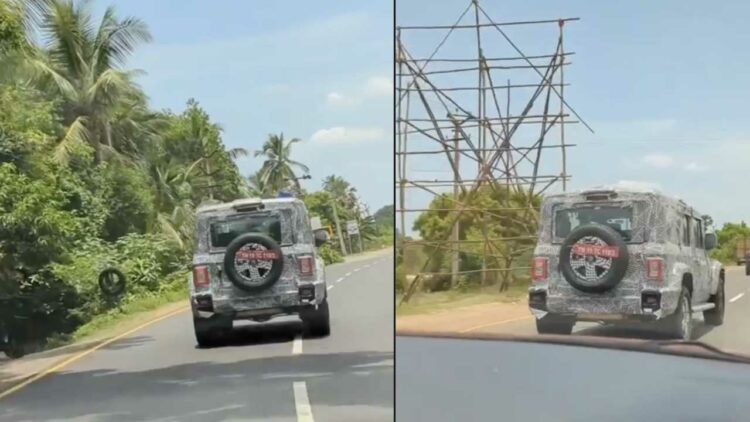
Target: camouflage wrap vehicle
(613, 255)
(255, 260)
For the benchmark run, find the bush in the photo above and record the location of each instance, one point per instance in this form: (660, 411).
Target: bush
(400, 279)
(330, 255)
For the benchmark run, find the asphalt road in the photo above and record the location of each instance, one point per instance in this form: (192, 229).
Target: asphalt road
(266, 372)
(731, 336)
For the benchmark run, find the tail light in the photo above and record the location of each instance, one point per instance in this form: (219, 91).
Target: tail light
(655, 269)
(201, 278)
(305, 264)
(539, 269)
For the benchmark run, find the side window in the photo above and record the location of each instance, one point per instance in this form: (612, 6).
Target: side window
(686, 231)
(698, 233)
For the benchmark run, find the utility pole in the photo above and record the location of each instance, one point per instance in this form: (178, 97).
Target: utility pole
(338, 227)
(455, 235)
(359, 236)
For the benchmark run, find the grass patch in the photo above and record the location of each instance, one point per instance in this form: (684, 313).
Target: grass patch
(174, 290)
(425, 303)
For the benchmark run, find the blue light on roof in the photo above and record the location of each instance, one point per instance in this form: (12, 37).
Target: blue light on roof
(285, 194)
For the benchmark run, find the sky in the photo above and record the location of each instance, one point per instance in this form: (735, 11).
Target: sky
(319, 71)
(663, 85)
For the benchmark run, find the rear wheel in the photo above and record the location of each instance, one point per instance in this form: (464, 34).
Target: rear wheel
(318, 322)
(555, 324)
(209, 331)
(715, 316)
(681, 322)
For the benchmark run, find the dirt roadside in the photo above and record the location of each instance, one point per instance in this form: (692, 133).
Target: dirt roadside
(474, 318)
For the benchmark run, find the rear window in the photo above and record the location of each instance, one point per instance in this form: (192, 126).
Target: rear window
(619, 218)
(223, 232)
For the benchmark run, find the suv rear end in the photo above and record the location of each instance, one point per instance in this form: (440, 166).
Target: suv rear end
(275, 272)
(621, 278)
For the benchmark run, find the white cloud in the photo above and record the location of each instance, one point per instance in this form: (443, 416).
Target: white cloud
(374, 87)
(695, 167)
(637, 185)
(338, 99)
(341, 135)
(379, 86)
(658, 160)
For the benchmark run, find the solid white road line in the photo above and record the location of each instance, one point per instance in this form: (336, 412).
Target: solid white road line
(297, 345)
(302, 402)
(737, 297)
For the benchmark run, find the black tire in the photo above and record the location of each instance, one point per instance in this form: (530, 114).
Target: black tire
(715, 316)
(268, 276)
(680, 323)
(609, 278)
(14, 349)
(318, 322)
(555, 324)
(210, 331)
(112, 282)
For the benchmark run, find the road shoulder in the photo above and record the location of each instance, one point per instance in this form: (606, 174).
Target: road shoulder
(474, 318)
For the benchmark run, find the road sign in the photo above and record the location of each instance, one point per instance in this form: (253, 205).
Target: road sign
(315, 223)
(352, 227)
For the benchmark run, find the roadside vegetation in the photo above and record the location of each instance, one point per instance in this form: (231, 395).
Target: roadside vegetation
(727, 238)
(92, 177)
(510, 216)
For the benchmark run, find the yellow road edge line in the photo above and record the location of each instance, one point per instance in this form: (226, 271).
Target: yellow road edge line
(494, 323)
(85, 353)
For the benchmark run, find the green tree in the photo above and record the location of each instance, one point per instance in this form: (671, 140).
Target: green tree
(277, 171)
(500, 235)
(83, 62)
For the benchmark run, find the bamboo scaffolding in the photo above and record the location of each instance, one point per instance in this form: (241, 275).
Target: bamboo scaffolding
(466, 119)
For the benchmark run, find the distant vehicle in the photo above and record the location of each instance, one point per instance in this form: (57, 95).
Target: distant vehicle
(255, 260)
(624, 256)
(742, 251)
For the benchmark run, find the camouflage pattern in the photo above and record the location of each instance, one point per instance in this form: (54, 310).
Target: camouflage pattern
(657, 230)
(296, 238)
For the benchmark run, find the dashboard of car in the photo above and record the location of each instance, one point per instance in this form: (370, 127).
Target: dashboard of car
(450, 379)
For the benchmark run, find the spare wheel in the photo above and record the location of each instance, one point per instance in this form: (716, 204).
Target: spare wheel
(253, 262)
(593, 258)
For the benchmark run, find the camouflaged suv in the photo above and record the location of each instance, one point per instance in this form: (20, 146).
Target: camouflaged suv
(255, 260)
(610, 255)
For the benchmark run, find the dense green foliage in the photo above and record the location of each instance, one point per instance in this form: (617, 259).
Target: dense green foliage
(509, 221)
(92, 177)
(727, 238)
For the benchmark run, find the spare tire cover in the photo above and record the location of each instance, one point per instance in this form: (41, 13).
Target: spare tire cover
(594, 258)
(253, 261)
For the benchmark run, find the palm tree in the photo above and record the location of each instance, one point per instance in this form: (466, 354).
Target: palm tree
(83, 63)
(344, 192)
(175, 207)
(257, 187)
(277, 171)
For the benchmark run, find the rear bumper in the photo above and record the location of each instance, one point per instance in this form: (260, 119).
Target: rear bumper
(291, 302)
(648, 305)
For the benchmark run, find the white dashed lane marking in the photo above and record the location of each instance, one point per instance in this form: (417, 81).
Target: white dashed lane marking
(297, 345)
(737, 297)
(302, 402)
(339, 280)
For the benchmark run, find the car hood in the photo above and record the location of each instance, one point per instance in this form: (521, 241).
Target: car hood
(694, 349)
